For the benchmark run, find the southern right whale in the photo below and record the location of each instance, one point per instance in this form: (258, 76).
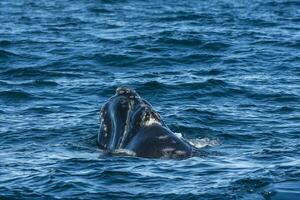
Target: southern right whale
(129, 122)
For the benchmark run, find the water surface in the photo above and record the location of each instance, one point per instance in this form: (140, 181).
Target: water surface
(224, 74)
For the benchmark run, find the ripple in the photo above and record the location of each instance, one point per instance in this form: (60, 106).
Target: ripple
(283, 3)
(4, 43)
(251, 184)
(100, 10)
(210, 83)
(274, 153)
(29, 72)
(284, 109)
(288, 189)
(4, 83)
(16, 95)
(189, 42)
(186, 16)
(211, 72)
(241, 137)
(121, 60)
(198, 111)
(216, 46)
(7, 54)
(151, 85)
(261, 23)
(40, 110)
(41, 83)
(278, 97)
(199, 58)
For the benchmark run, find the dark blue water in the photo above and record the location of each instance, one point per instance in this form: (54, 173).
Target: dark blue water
(224, 74)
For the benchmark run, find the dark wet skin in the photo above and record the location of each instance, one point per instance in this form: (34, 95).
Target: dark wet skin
(129, 122)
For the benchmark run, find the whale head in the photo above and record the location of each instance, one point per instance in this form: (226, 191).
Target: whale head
(122, 117)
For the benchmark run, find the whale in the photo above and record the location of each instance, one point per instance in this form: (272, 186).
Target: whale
(128, 123)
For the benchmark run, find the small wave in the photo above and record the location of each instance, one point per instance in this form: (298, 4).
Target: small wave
(45, 83)
(189, 42)
(100, 10)
(4, 83)
(251, 184)
(295, 45)
(216, 46)
(41, 83)
(282, 4)
(287, 190)
(118, 59)
(216, 82)
(241, 137)
(274, 153)
(198, 111)
(185, 16)
(210, 72)
(23, 72)
(151, 85)
(15, 95)
(35, 83)
(284, 109)
(210, 87)
(29, 72)
(260, 23)
(7, 54)
(210, 83)
(5, 43)
(278, 97)
(198, 58)
(40, 110)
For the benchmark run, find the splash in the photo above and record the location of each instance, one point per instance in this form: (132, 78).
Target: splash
(200, 142)
(123, 152)
(203, 142)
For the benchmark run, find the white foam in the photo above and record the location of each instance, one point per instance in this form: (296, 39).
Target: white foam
(178, 135)
(124, 152)
(203, 142)
(200, 142)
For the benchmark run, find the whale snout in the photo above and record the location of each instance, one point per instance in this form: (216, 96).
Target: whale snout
(128, 92)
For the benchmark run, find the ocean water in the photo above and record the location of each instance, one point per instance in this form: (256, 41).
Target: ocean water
(223, 74)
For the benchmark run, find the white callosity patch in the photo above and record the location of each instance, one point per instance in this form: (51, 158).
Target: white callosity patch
(180, 153)
(105, 134)
(168, 149)
(167, 152)
(121, 91)
(162, 137)
(127, 123)
(151, 121)
(104, 127)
